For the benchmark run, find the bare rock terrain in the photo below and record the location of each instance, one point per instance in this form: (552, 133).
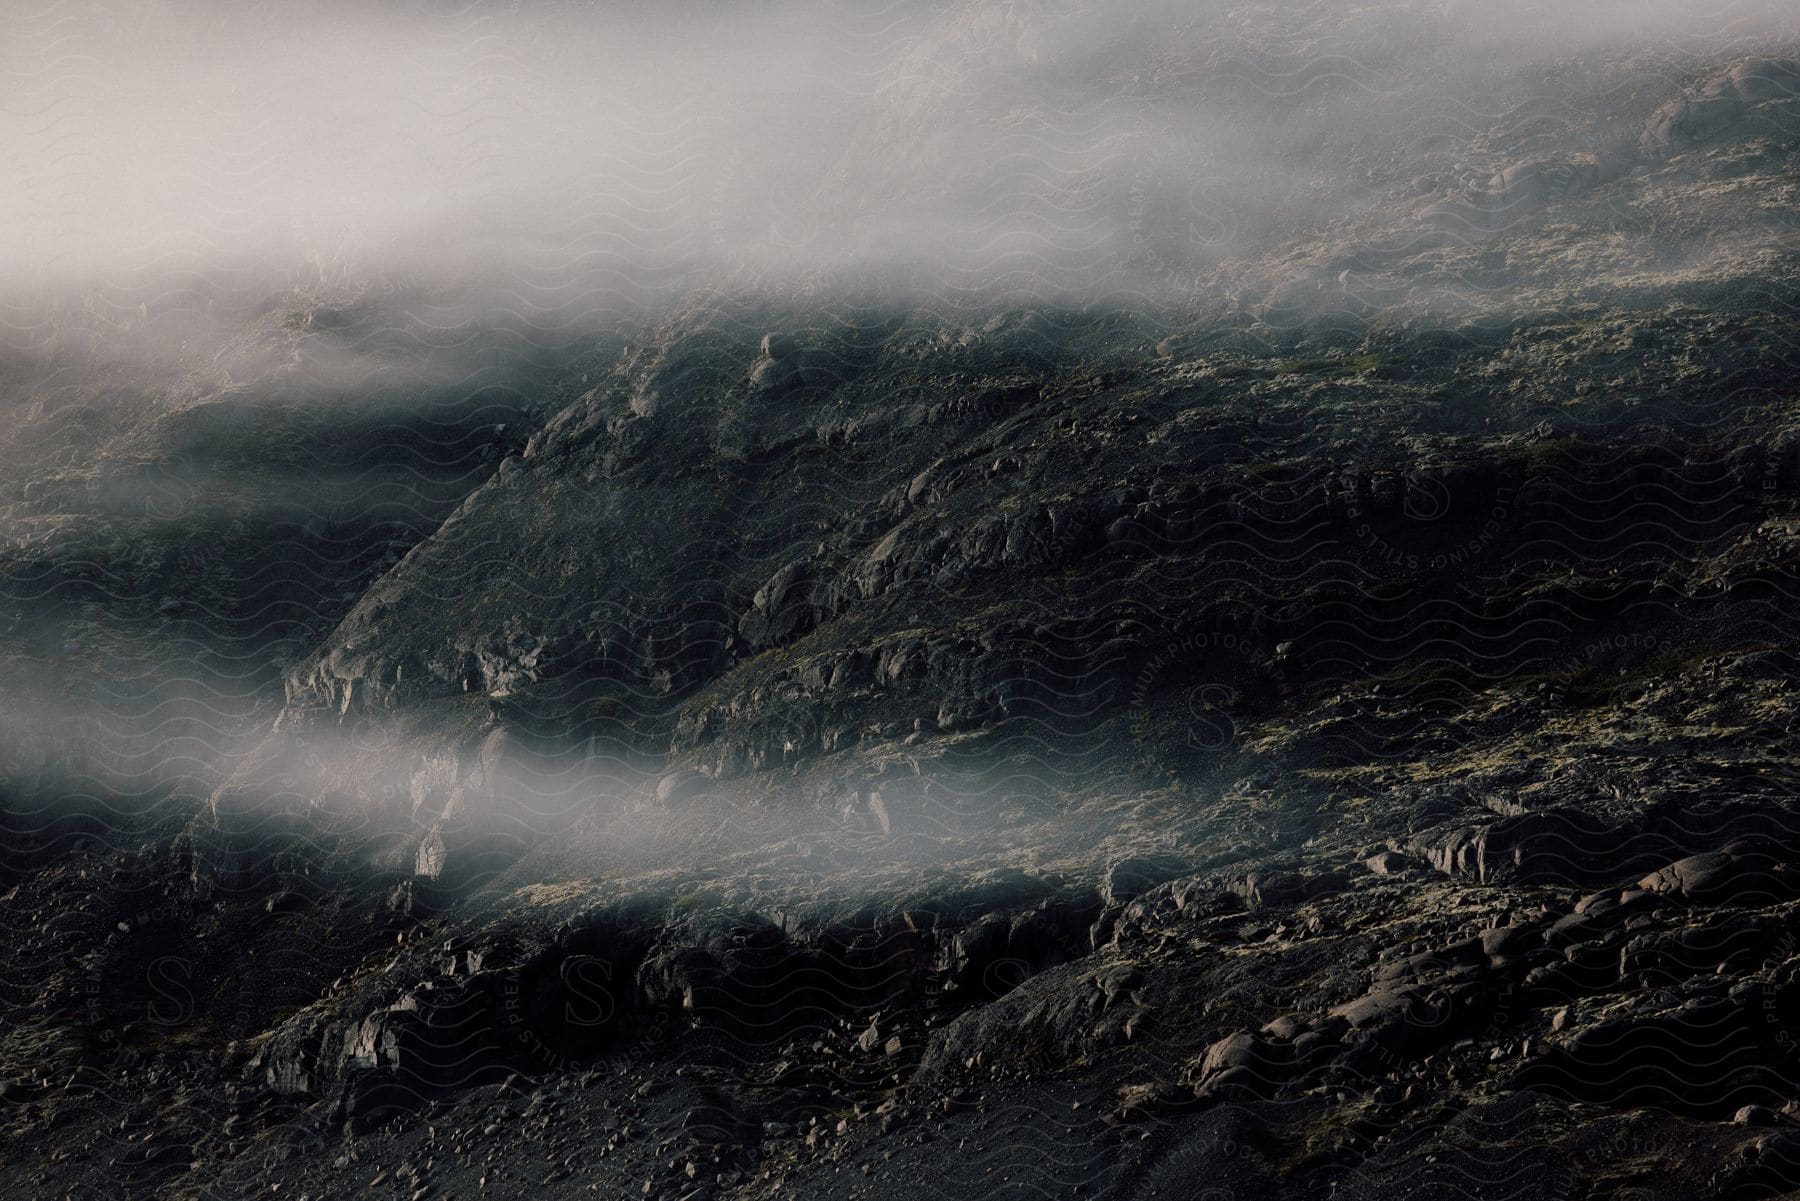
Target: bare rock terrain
(1325, 731)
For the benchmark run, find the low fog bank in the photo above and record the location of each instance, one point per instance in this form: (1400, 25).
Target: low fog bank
(193, 757)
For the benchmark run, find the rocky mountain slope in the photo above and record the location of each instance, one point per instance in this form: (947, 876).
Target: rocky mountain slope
(1322, 729)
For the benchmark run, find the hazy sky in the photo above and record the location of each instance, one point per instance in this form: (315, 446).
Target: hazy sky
(157, 137)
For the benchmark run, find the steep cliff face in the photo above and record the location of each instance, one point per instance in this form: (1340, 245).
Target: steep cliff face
(1024, 537)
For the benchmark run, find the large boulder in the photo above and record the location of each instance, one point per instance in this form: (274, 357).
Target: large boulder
(1129, 878)
(1560, 846)
(1244, 1063)
(1721, 103)
(1744, 873)
(1048, 1021)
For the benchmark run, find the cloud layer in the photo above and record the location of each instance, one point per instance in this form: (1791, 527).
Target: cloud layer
(595, 154)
